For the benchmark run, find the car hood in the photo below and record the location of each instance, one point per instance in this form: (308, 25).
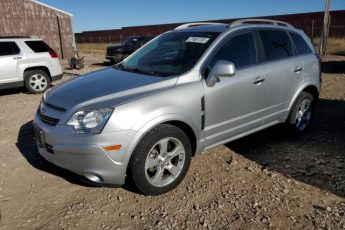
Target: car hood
(108, 87)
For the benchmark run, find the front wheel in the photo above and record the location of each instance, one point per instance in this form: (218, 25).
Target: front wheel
(161, 160)
(301, 113)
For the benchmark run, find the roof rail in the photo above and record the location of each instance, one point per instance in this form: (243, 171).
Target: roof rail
(9, 37)
(258, 20)
(187, 25)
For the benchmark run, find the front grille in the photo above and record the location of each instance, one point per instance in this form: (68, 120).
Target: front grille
(55, 107)
(48, 120)
(111, 51)
(45, 110)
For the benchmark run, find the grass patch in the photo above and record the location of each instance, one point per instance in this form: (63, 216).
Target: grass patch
(336, 46)
(93, 48)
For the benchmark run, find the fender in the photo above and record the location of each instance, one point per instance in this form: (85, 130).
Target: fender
(145, 128)
(301, 88)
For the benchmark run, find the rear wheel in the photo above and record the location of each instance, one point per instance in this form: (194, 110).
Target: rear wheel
(301, 113)
(161, 160)
(37, 81)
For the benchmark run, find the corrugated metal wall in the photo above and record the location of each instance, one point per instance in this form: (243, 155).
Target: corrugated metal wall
(27, 18)
(303, 21)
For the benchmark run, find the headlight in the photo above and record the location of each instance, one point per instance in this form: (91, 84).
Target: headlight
(91, 121)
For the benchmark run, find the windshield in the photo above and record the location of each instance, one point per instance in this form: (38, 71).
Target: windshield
(130, 41)
(170, 54)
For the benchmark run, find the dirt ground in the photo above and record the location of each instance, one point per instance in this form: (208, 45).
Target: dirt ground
(269, 180)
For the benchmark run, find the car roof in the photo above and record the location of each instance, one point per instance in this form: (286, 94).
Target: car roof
(242, 23)
(19, 39)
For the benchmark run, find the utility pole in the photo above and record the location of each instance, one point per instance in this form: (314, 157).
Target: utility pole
(325, 29)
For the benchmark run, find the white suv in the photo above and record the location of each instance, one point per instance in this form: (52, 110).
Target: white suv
(27, 62)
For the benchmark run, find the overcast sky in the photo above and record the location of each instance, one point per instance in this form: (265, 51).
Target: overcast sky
(112, 14)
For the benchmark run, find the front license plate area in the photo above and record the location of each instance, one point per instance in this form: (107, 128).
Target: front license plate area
(39, 136)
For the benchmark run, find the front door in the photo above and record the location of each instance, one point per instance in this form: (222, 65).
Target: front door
(232, 105)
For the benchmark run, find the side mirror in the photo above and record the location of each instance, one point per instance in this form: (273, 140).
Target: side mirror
(222, 68)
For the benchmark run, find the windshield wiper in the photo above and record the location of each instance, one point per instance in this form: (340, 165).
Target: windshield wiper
(118, 66)
(142, 71)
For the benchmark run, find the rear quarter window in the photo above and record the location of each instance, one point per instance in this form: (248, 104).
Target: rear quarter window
(8, 48)
(276, 44)
(38, 46)
(300, 44)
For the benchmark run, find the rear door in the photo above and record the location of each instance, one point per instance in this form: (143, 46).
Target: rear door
(10, 58)
(284, 71)
(306, 54)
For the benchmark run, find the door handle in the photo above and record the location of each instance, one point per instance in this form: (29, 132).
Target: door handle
(258, 81)
(17, 58)
(297, 69)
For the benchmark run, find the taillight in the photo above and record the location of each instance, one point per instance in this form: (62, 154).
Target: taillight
(53, 54)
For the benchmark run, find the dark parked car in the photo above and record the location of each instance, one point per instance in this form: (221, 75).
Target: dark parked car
(117, 53)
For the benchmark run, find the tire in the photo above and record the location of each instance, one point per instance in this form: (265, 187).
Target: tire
(118, 58)
(36, 81)
(154, 172)
(301, 113)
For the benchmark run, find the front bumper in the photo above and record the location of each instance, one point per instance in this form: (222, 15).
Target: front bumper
(84, 154)
(109, 57)
(57, 77)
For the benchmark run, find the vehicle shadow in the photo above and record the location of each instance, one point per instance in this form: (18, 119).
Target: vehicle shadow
(13, 91)
(316, 157)
(333, 67)
(27, 147)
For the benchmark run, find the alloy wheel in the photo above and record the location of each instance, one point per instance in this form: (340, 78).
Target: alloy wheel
(303, 114)
(38, 82)
(165, 162)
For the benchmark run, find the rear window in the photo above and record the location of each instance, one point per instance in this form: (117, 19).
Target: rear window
(38, 46)
(8, 48)
(277, 44)
(301, 45)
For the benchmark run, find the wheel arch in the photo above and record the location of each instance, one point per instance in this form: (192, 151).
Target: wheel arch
(309, 88)
(188, 130)
(187, 127)
(44, 68)
(312, 89)
(183, 125)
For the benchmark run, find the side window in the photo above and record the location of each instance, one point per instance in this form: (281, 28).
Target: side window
(301, 45)
(8, 48)
(240, 50)
(277, 44)
(38, 46)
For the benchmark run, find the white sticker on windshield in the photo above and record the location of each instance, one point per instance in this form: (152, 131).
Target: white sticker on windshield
(198, 39)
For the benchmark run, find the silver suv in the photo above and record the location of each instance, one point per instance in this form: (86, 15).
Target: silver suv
(27, 62)
(186, 91)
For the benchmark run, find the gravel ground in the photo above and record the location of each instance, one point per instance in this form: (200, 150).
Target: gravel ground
(269, 180)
